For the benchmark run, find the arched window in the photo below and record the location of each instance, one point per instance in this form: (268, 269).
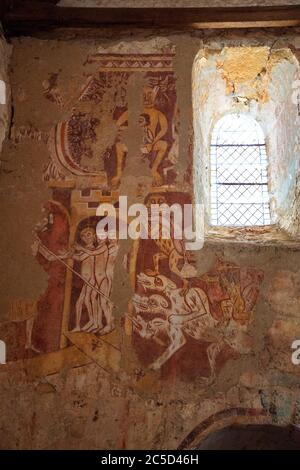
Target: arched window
(239, 179)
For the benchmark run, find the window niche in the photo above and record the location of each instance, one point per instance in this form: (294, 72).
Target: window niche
(263, 86)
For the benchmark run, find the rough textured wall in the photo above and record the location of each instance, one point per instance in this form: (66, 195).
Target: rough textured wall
(283, 143)
(135, 344)
(5, 51)
(170, 3)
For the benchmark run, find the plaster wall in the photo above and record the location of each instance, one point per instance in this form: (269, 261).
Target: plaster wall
(82, 133)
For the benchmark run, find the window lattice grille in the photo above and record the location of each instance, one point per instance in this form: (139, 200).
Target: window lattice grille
(239, 180)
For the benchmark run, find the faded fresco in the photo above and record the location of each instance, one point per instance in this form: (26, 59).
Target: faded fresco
(173, 309)
(76, 146)
(84, 168)
(141, 343)
(172, 304)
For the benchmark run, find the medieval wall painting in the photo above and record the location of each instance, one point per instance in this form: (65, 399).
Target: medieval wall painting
(174, 315)
(157, 120)
(283, 295)
(91, 142)
(87, 154)
(92, 264)
(178, 315)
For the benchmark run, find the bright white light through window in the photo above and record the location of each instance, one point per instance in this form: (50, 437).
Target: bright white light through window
(239, 179)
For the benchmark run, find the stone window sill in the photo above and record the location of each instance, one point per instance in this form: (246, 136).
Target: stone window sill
(260, 235)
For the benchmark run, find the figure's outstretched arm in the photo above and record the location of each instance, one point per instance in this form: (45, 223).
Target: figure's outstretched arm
(46, 254)
(79, 256)
(38, 247)
(82, 250)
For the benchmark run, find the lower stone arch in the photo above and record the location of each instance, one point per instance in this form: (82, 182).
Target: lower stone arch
(221, 420)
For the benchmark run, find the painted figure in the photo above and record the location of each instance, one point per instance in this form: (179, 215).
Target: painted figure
(155, 126)
(180, 317)
(170, 248)
(97, 260)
